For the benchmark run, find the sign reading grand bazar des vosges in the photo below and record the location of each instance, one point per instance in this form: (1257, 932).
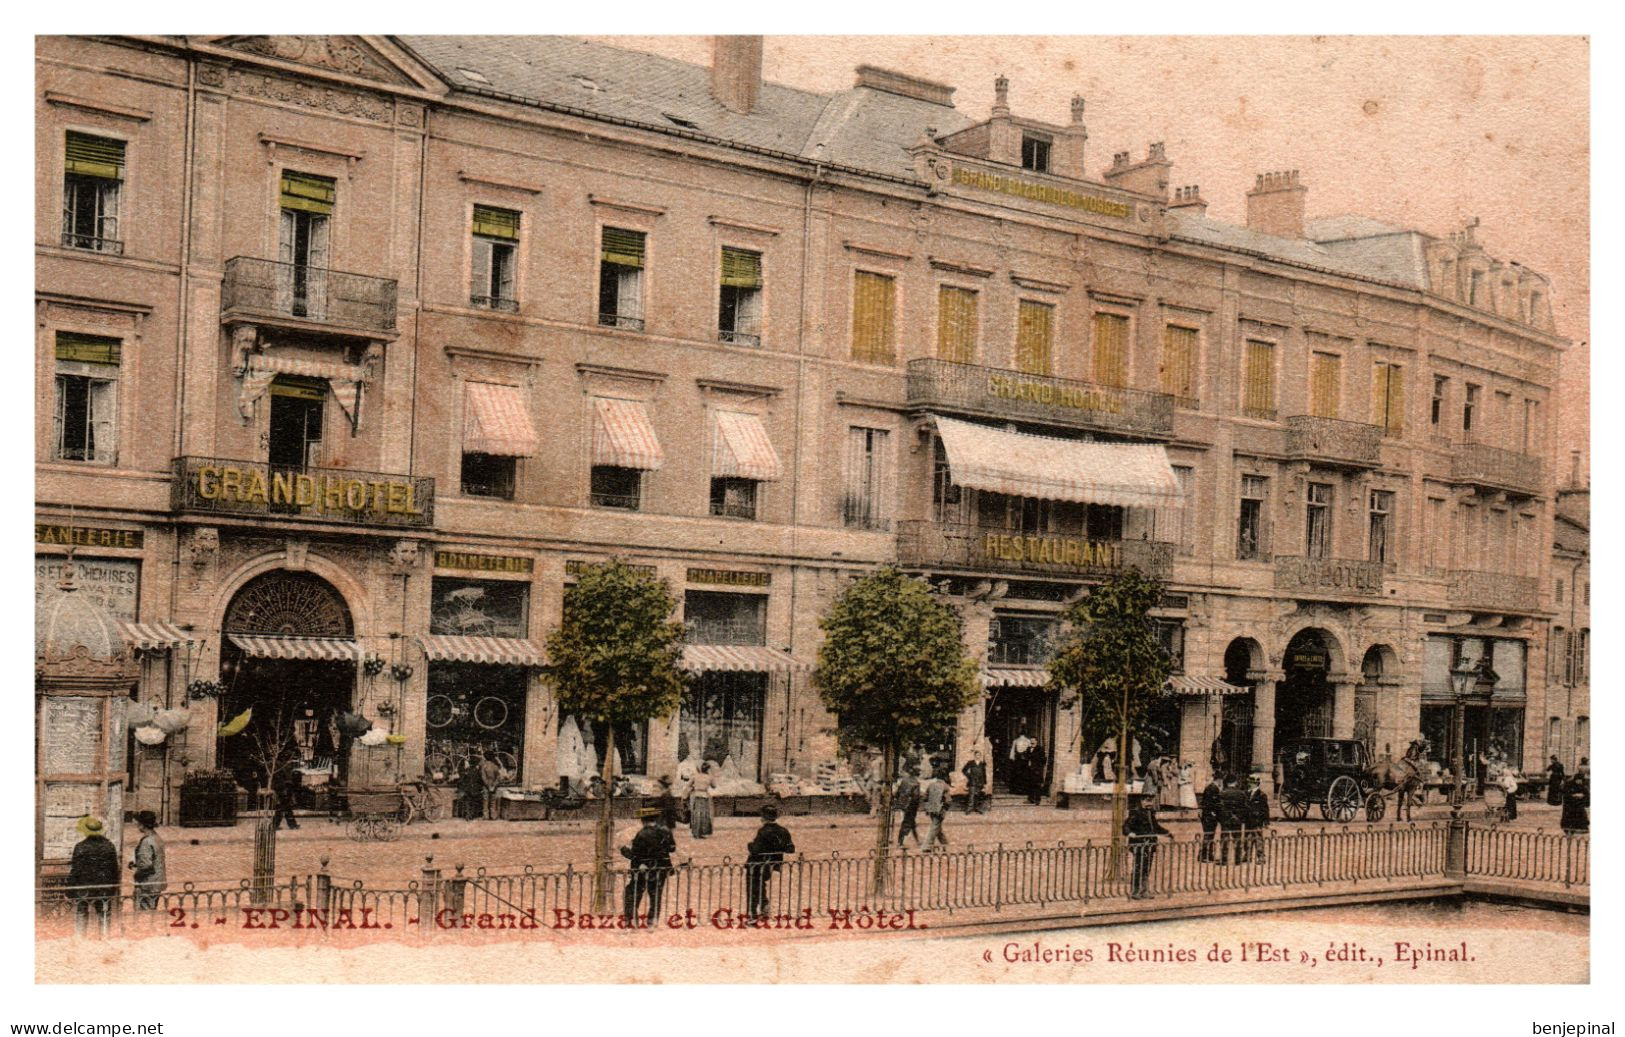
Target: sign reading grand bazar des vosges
(328, 494)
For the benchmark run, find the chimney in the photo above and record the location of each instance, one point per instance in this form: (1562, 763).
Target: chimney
(736, 71)
(1001, 96)
(1189, 198)
(1275, 205)
(1148, 177)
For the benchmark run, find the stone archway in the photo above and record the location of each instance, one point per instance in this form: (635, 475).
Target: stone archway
(1306, 699)
(1237, 748)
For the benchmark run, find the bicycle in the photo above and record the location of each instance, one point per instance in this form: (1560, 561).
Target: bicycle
(421, 799)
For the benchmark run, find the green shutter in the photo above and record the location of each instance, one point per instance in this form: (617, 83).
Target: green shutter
(306, 193)
(496, 223)
(741, 269)
(623, 247)
(95, 156)
(87, 349)
(299, 388)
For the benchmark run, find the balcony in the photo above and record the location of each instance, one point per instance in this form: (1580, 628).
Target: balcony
(1492, 592)
(991, 392)
(1492, 468)
(1333, 443)
(944, 545)
(307, 298)
(1328, 577)
(222, 486)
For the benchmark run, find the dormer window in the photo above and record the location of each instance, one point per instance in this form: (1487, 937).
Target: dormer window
(1035, 153)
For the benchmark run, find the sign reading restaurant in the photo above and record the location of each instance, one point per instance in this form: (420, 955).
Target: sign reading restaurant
(329, 494)
(1057, 552)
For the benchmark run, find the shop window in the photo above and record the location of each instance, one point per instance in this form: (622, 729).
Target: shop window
(720, 618)
(620, 278)
(1250, 527)
(93, 178)
(494, 259)
(1035, 153)
(473, 711)
(488, 475)
(614, 487)
(85, 425)
(479, 608)
(631, 748)
(734, 498)
(867, 465)
(1318, 524)
(720, 720)
(739, 318)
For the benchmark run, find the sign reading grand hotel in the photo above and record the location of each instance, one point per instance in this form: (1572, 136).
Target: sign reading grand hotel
(1041, 192)
(329, 494)
(1051, 394)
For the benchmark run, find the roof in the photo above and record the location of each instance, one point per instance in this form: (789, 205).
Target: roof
(1393, 257)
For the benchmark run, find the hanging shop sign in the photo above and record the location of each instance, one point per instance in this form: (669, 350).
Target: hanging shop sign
(729, 578)
(483, 563)
(209, 484)
(87, 536)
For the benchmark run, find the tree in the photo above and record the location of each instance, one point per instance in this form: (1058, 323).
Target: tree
(1113, 662)
(893, 668)
(614, 661)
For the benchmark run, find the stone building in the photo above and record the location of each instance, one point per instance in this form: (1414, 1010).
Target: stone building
(1568, 698)
(359, 347)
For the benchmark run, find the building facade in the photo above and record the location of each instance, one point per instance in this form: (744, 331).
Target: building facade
(1568, 714)
(359, 347)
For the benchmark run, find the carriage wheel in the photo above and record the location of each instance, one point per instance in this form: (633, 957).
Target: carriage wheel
(1375, 806)
(359, 829)
(1294, 806)
(1342, 800)
(386, 829)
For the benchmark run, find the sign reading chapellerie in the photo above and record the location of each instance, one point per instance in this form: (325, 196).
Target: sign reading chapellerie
(86, 536)
(729, 578)
(329, 494)
(1040, 192)
(483, 563)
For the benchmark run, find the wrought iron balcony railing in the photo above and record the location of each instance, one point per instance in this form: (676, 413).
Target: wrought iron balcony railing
(993, 392)
(266, 290)
(1330, 577)
(1330, 441)
(1492, 592)
(1474, 464)
(923, 543)
(223, 486)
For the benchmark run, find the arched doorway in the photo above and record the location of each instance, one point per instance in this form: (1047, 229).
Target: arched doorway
(1303, 700)
(287, 652)
(1378, 662)
(1243, 657)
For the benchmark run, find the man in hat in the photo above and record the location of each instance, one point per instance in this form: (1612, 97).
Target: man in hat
(284, 791)
(93, 876)
(1257, 816)
(1209, 806)
(975, 781)
(935, 801)
(490, 781)
(1232, 816)
(650, 857)
(767, 852)
(148, 863)
(906, 797)
(1142, 828)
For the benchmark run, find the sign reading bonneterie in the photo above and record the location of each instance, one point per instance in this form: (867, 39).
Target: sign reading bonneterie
(219, 486)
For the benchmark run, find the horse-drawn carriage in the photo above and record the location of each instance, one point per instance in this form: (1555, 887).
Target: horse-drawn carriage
(1340, 775)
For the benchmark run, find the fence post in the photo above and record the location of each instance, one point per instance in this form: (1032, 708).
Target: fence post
(1455, 854)
(264, 860)
(428, 895)
(456, 888)
(324, 889)
(998, 880)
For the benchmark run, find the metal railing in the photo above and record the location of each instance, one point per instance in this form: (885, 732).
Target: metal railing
(616, 320)
(1530, 856)
(926, 543)
(1013, 396)
(1492, 591)
(1475, 464)
(739, 338)
(1332, 441)
(494, 302)
(267, 289)
(91, 243)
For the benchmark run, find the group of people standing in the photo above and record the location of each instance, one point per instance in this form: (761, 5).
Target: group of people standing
(934, 796)
(648, 853)
(1239, 813)
(1572, 793)
(93, 872)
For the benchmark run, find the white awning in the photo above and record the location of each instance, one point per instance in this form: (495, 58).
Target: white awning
(1132, 475)
(493, 651)
(277, 646)
(741, 449)
(1187, 684)
(1013, 677)
(622, 436)
(739, 659)
(496, 421)
(157, 637)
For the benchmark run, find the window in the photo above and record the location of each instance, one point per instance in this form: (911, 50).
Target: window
(93, 174)
(1021, 640)
(297, 407)
(1035, 153)
(1468, 404)
(1100, 522)
(1178, 525)
(1258, 380)
(1557, 590)
(1531, 427)
(1382, 510)
(1171, 637)
(720, 618)
(1441, 386)
(1035, 337)
(1318, 525)
(1178, 374)
(1250, 530)
(1438, 536)
(620, 279)
(1568, 657)
(1111, 349)
(739, 312)
(956, 324)
(496, 250)
(1325, 384)
(614, 487)
(86, 422)
(1556, 650)
(733, 498)
(949, 502)
(488, 475)
(307, 207)
(863, 505)
(1388, 398)
(874, 302)
(1582, 658)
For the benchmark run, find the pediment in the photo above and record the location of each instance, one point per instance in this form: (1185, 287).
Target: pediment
(374, 59)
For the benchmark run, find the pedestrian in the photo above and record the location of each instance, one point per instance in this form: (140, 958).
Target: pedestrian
(1029, 757)
(699, 802)
(1151, 784)
(975, 782)
(666, 803)
(148, 863)
(1554, 782)
(1509, 785)
(1257, 818)
(767, 852)
(284, 793)
(907, 797)
(1576, 817)
(1209, 807)
(1232, 815)
(471, 792)
(93, 877)
(490, 779)
(650, 857)
(1142, 829)
(935, 800)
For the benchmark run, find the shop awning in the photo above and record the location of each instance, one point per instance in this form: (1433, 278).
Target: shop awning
(739, 659)
(1013, 677)
(277, 646)
(741, 449)
(623, 438)
(492, 651)
(1186, 684)
(1131, 475)
(496, 421)
(157, 637)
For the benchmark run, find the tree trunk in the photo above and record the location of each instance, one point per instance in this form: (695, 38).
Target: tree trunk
(1125, 760)
(606, 819)
(883, 819)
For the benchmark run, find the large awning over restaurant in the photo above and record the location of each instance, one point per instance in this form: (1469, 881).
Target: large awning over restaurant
(279, 646)
(739, 659)
(496, 421)
(1132, 475)
(491, 651)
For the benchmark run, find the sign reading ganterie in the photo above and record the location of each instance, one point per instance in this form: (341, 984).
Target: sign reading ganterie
(730, 577)
(86, 536)
(483, 563)
(329, 494)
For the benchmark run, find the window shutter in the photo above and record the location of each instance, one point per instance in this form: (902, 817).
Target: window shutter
(87, 349)
(496, 223)
(1111, 349)
(306, 193)
(505, 271)
(956, 325)
(1395, 424)
(623, 247)
(103, 420)
(1324, 384)
(1179, 361)
(873, 299)
(479, 277)
(741, 269)
(1259, 400)
(94, 156)
(1033, 338)
(56, 424)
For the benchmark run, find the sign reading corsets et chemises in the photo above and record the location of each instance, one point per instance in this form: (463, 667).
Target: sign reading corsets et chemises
(483, 563)
(730, 577)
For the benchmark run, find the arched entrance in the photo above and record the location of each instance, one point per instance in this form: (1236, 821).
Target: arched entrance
(1379, 661)
(1303, 701)
(287, 652)
(1243, 658)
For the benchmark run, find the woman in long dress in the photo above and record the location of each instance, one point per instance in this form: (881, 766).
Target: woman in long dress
(699, 802)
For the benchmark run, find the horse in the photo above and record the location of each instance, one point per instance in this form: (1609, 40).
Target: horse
(1405, 776)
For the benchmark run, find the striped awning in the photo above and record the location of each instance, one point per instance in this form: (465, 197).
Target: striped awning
(274, 364)
(741, 449)
(1131, 475)
(1013, 677)
(1187, 684)
(492, 651)
(623, 438)
(496, 421)
(157, 637)
(739, 659)
(278, 646)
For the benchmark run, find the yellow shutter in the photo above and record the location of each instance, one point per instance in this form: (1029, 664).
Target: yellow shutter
(1388, 398)
(873, 302)
(1111, 349)
(956, 325)
(1179, 362)
(1258, 400)
(1325, 389)
(1034, 335)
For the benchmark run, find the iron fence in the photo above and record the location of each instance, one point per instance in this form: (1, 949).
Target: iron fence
(1525, 855)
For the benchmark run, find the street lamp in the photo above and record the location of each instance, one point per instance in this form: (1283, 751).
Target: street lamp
(1461, 678)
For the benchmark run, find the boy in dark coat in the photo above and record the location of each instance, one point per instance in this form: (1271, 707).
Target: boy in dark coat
(1142, 829)
(767, 852)
(650, 857)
